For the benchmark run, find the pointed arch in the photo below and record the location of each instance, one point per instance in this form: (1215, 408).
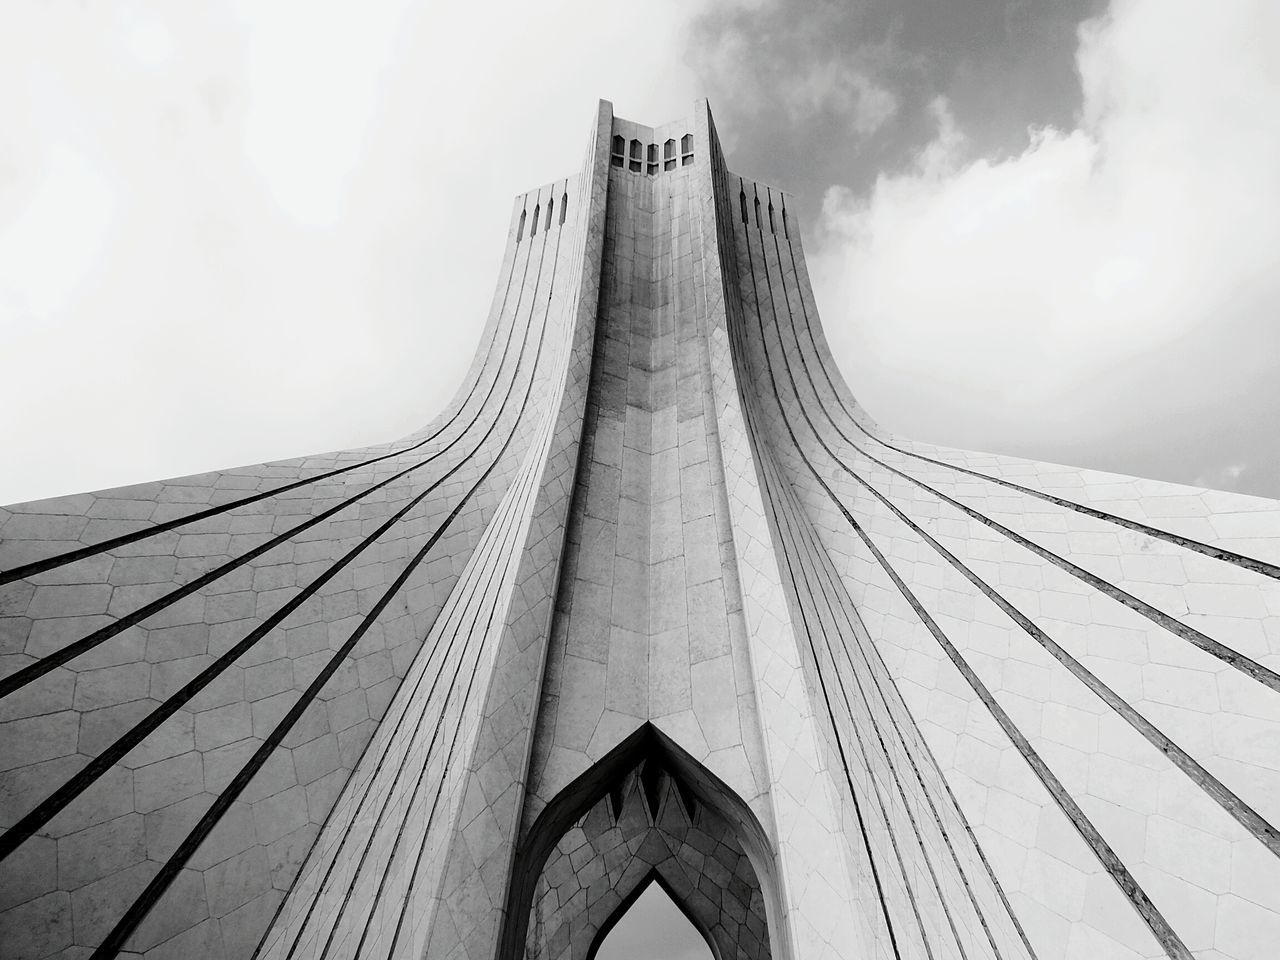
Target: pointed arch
(694, 791)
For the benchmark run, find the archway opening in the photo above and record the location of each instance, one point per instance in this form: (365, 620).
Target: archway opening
(647, 813)
(653, 928)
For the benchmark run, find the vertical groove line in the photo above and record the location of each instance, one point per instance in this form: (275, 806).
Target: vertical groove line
(1160, 928)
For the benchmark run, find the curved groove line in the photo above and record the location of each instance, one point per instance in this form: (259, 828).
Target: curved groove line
(780, 522)
(502, 545)
(457, 607)
(796, 532)
(413, 877)
(369, 782)
(1160, 928)
(49, 807)
(1155, 921)
(116, 939)
(71, 556)
(134, 916)
(766, 461)
(1233, 658)
(572, 321)
(1233, 804)
(1244, 561)
(507, 530)
(449, 755)
(33, 671)
(827, 586)
(831, 585)
(744, 400)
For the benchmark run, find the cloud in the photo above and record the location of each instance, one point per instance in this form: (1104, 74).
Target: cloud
(828, 84)
(795, 68)
(1107, 276)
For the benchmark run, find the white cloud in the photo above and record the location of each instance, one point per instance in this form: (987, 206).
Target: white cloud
(239, 232)
(1019, 282)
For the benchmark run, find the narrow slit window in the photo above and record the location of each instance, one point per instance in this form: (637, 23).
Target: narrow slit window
(520, 229)
(533, 229)
(669, 155)
(551, 207)
(686, 149)
(772, 229)
(652, 158)
(636, 164)
(564, 206)
(786, 233)
(619, 151)
(757, 201)
(742, 199)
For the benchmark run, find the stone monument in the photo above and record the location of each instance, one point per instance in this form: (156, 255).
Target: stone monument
(652, 601)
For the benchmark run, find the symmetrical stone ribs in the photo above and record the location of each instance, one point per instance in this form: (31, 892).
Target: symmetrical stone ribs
(653, 600)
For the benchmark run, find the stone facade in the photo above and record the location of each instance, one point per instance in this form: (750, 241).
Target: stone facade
(653, 600)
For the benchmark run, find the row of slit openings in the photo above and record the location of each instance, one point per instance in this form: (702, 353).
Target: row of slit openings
(641, 159)
(742, 200)
(537, 214)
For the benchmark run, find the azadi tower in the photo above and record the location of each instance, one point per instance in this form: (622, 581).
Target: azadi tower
(653, 600)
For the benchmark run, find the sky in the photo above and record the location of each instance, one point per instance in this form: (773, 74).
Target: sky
(240, 231)
(653, 929)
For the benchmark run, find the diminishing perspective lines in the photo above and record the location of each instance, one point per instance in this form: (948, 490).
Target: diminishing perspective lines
(119, 935)
(1159, 926)
(502, 521)
(853, 793)
(81, 553)
(829, 586)
(1241, 811)
(1227, 655)
(784, 524)
(48, 808)
(39, 668)
(1244, 561)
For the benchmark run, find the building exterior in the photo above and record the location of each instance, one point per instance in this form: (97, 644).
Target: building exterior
(653, 600)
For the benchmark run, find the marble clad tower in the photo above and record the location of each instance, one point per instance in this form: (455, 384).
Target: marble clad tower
(653, 600)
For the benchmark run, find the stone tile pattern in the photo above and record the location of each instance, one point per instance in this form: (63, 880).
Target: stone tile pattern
(487, 457)
(927, 757)
(649, 626)
(472, 889)
(604, 860)
(980, 706)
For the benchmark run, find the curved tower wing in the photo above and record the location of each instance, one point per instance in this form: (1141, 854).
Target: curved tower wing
(653, 600)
